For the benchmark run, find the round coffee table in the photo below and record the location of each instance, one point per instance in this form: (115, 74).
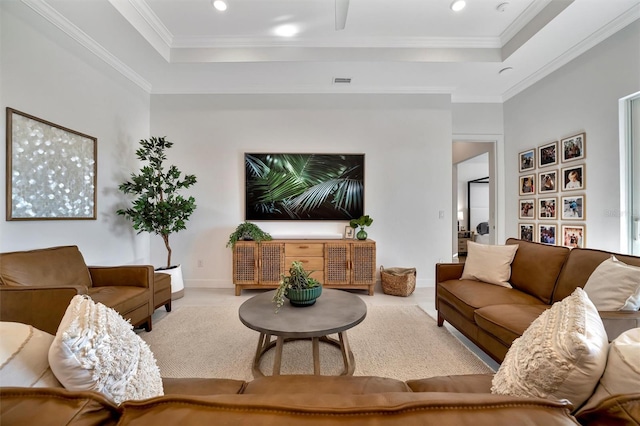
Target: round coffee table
(335, 311)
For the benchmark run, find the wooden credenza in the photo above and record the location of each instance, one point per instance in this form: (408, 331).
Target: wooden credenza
(347, 264)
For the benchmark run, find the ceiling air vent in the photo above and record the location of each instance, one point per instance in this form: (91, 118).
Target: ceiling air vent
(342, 80)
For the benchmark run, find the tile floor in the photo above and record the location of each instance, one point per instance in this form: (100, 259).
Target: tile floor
(422, 296)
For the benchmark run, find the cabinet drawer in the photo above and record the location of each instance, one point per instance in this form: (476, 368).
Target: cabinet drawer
(304, 249)
(308, 263)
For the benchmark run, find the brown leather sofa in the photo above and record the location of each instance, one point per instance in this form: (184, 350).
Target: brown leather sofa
(493, 317)
(310, 400)
(36, 287)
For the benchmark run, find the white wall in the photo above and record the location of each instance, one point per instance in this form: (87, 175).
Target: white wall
(46, 74)
(581, 96)
(407, 145)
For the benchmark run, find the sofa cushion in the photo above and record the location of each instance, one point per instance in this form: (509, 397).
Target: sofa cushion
(464, 383)
(23, 356)
(507, 322)
(622, 374)
(489, 263)
(618, 410)
(614, 286)
(466, 296)
(580, 265)
(54, 266)
(201, 386)
(96, 349)
(345, 385)
(123, 299)
(55, 406)
(560, 356)
(536, 267)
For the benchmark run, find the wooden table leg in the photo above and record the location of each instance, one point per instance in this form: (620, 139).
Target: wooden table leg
(316, 355)
(277, 360)
(347, 355)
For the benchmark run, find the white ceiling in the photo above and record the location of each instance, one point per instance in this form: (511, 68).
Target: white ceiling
(387, 46)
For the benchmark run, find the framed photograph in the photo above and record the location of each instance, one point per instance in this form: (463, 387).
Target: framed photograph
(527, 160)
(573, 236)
(548, 182)
(573, 147)
(527, 184)
(349, 232)
(548, 154)
(527, 209)
(573, 178)
(573, 208)
(547, 234)
(526, 231)
(51, 170)
(547, 208)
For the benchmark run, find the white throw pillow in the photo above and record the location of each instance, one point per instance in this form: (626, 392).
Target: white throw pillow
(622, 374)
(23, 356)
(614, 286)
(96, 349)
(560, 356)
(489, 263)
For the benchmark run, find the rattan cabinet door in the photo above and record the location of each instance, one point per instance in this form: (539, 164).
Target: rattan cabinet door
(337, 261)
(245, 262)
(363, 265)
(270, 262)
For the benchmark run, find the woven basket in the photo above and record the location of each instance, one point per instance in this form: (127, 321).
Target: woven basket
(398, 281)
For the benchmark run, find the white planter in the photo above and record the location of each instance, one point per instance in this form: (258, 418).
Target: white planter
(177, 284)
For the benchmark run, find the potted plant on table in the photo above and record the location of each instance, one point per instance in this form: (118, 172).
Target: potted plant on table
(361, 222)
(247, 231)
(159, 208)
(298, 287)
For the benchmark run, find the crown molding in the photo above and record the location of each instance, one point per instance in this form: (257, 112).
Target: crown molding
(306, 90)
(597, 37)
(45, 10)
(522, 20)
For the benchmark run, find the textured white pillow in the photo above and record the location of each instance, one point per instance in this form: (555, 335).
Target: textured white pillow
(489, 263)
(23, 356)
(622, 374)
(614, 286)
(560, 356)
(96, 349)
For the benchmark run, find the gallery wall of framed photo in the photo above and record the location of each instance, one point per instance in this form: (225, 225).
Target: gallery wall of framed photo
(552, 192)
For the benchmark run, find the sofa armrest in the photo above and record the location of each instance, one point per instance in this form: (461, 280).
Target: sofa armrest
(126, 275)
(40, 306)
(617, 322)
(448, 271)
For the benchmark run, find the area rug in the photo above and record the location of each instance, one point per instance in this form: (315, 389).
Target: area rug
(401, 342)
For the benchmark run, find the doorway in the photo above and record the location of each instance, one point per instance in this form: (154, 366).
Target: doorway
(630, 174)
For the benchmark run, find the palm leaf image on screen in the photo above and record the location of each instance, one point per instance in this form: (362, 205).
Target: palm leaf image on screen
(304, 186)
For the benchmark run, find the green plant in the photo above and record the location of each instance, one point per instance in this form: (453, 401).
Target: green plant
(298, 279)
(247, 231)
(361, 222)
(158, 208)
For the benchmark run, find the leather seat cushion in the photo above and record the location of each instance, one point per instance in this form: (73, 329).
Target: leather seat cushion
(201, 386)
(467, 295)
(466, 383)
(507, 322)
(122, 299)
(345, 385)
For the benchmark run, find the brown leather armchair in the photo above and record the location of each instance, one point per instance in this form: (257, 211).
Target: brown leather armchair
(36, 287)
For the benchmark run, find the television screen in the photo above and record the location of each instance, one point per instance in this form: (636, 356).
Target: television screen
(304, 186)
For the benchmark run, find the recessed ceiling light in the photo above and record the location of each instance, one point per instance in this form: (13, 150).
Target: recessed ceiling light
(458, 5)
(286, 30)
(220, 5)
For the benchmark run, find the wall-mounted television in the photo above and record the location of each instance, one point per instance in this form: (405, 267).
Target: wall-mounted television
(304, 186)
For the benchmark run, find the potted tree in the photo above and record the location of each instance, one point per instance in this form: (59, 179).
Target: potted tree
(247, 231)
(298, 287)
(361, 222)
(159, 208)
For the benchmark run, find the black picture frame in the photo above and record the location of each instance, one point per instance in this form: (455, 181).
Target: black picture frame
(304, 186)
